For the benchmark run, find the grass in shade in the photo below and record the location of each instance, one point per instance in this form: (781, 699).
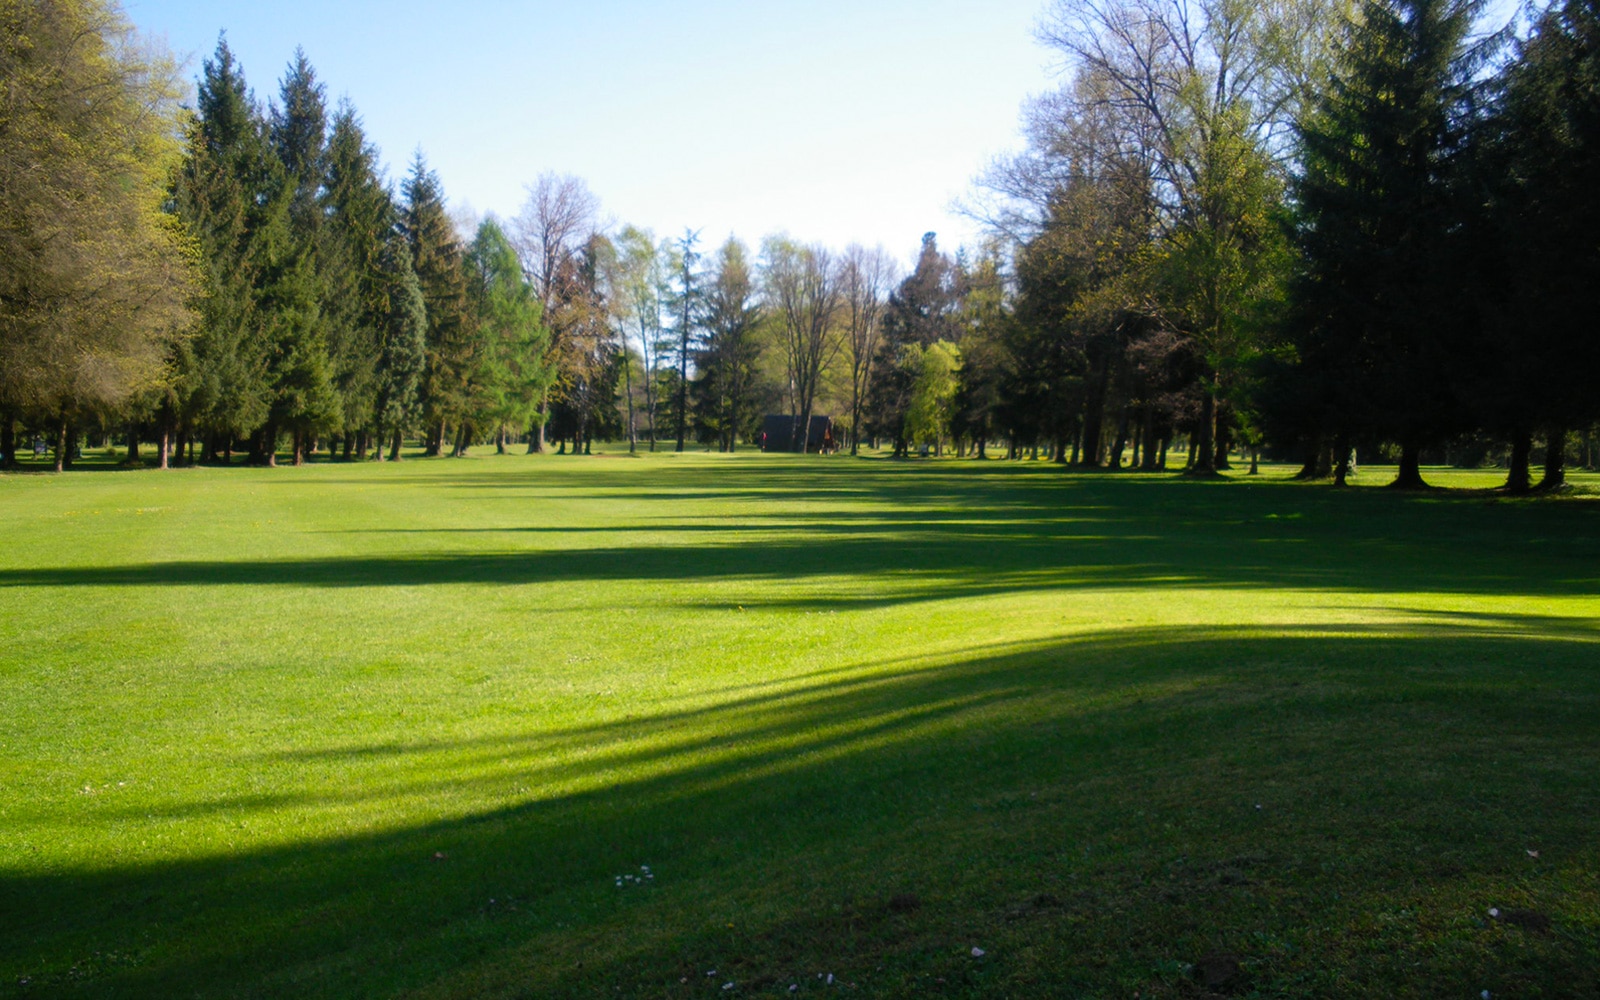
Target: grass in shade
(730, 726)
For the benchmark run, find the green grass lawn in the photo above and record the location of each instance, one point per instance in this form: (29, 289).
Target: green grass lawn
(400, 730)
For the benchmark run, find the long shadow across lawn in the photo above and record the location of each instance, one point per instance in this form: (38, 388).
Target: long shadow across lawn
(1094, 812)
(944, 534)
(930, 535)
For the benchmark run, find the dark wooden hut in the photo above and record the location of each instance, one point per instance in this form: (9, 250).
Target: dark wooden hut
(778, 434)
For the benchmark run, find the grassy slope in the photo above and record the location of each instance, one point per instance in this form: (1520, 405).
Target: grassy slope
(395, 730)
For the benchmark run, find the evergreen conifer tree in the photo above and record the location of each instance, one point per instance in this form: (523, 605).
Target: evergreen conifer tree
(437, 257)
(222, 385)
(1539, 358)
(304, 401)
(513, 370)
(358, 219)
(1377, 305)
(403, 354)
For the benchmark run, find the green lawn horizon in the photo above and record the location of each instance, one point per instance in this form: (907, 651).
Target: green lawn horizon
(932, 728)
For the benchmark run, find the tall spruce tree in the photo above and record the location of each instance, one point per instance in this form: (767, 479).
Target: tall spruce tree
(304, 400)
(513, 369)
(437, 257)
(402, 356)
(359, 218)
(729, 388)
(222, 387)
(1540, 355)
(1378, 304)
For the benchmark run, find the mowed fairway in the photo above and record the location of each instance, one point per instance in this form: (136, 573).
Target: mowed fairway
(399, 730)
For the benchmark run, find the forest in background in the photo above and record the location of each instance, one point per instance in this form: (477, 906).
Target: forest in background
(1307, 229)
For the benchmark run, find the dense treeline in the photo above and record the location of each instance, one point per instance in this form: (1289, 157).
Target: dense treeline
(1314, 229)
(1301, 228)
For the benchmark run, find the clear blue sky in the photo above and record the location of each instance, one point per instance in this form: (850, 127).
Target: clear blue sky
(835, 120)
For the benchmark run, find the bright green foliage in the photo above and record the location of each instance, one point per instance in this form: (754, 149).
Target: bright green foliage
(513, 368)
(638, 297)
(1098, 726)
(1220, 271)
(93, 276)
(933, 393)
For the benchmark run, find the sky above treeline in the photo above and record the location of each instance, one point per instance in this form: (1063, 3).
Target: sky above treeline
(834, 120)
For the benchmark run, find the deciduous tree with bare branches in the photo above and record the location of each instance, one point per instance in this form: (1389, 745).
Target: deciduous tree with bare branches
(557, 221)
(803, 287)
(864, 280)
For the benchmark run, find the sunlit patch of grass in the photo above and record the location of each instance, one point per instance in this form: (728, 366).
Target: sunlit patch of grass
(400, 730)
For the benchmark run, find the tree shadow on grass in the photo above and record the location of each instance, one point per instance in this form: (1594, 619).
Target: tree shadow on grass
(1099, 774)
(913, 534)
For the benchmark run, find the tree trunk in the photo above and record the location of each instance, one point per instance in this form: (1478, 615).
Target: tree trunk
(1154, 449)
(1341, 462)
(268, 446)
(1224, 438)
(1517, 478)
(164, 453)
(61, 445)
(855, 420)
(1555, 460)
(8, 440)
(350, 444)
(133, 443)
(1255, 461)
(394, 447)
(463, 436)
(298, 443)
(1203, 454)
(1093, 429)
(1121, 443)
(500, 441)
(683, 374)
(1410, 475)
(1308, 470)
